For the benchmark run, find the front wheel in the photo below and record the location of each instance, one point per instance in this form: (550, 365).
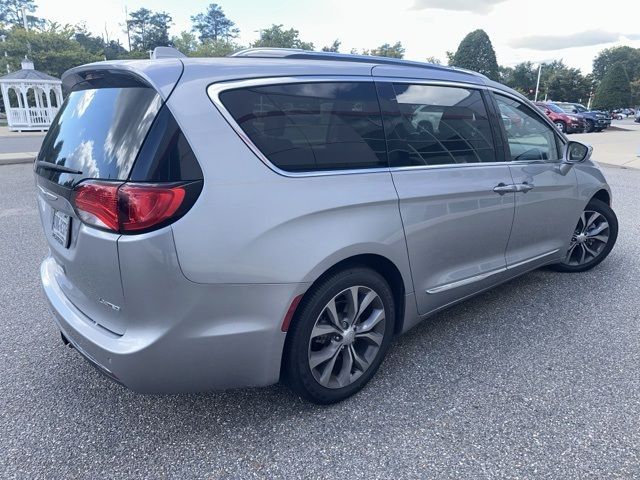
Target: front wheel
(592, 240)
(590, 126)
(340, 335)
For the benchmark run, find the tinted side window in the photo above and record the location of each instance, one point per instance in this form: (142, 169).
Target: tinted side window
(312, 126)
(435, 125)
(529, 136)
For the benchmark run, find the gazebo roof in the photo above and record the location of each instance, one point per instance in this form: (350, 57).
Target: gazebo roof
(28, 73)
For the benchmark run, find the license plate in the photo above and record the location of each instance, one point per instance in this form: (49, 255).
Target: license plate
(60, 228)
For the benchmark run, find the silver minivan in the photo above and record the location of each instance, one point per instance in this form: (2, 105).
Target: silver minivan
(281, 215)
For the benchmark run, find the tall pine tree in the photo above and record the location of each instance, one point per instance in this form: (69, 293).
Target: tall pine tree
(476, 53)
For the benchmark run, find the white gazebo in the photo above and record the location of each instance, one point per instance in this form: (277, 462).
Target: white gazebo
(31, 98)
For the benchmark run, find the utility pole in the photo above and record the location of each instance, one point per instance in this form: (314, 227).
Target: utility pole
(538, 82)
(24, 18)
(126, 22)
(26, 27)
(6, 57)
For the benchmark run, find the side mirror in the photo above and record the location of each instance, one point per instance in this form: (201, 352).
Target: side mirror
(576, 152)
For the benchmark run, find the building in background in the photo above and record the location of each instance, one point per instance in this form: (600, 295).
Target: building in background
(31, 98)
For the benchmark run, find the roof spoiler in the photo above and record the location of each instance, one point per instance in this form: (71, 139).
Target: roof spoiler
(166, 52)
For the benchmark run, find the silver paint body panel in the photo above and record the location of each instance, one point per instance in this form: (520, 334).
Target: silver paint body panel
(202, 301)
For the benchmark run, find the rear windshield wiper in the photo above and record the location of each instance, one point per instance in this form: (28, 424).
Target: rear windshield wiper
(56, 167)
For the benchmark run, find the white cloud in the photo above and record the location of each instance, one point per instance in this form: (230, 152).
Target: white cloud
(473, 6)
(560, 42)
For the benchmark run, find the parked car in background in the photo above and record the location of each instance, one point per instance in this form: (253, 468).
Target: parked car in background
(595, 120)
(566, 122)
(283, 215)
(637, 119)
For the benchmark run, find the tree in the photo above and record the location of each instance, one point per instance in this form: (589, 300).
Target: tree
(53, 50)
(569, 85)
(148, 29)
(113, 50)
(186, 42)
(506, 75)
(614, 90)
(214, 24)
(95, 45)
(275, 36)
(215, 48)
(433, 60)
(334, 47)
(635, 92)
(11, 13)
(476, 52)
(525, 78)
(629, 57)
(395, 51)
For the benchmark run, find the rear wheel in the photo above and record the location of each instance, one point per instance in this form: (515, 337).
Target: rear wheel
(592, 240)
(561, 126)
(340, 335)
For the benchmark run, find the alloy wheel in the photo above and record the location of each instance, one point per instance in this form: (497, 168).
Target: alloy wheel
(346, 337)
(589, 239)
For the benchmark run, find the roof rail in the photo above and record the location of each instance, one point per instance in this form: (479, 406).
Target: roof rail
(296, 53)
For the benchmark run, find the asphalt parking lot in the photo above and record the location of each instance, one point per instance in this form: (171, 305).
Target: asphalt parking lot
(537, 378)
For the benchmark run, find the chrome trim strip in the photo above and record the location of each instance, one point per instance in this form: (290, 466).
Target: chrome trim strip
(465, 281)
(47, 193)
(535, 109)
(538, 257)
(482, 276)
(426, 81)
(214, 90)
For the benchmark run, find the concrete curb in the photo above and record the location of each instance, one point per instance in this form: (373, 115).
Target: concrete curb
(18, 157)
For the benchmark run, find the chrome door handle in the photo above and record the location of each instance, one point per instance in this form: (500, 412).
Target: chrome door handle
(502, 188)
(524, 187)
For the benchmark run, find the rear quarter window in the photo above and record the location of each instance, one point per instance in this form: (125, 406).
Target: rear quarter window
(305, 127)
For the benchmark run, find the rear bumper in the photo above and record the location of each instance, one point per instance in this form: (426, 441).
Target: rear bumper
(221, 336)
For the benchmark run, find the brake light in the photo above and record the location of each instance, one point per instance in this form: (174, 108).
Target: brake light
(97, 204)
(132, 207)
(142, 207)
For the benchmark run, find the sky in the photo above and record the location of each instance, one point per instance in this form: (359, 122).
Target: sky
(521, 30)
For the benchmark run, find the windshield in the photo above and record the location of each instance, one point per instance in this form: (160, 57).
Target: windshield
(98, 132)
(567, 107)
(554, 108)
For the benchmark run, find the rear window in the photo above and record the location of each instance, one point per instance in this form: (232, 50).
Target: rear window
(99, 132)
(312, 126)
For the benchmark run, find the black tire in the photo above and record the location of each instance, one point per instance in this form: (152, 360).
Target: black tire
(598, 129)
(296, 363)
(590, 126)
(610, 216)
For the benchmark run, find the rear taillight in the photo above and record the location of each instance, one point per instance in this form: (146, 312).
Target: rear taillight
(133, 207)
(142, 207)
(97, 204)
